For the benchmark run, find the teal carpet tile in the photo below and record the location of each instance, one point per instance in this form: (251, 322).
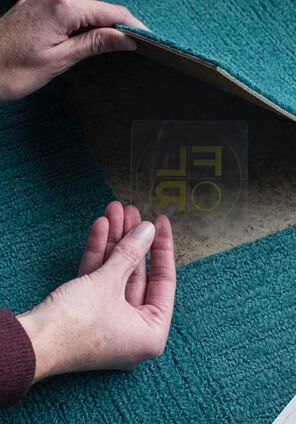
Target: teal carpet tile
(254, 41)
(51, 190)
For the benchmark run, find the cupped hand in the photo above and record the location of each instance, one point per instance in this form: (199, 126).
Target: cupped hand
(115, 315)
(36, 43)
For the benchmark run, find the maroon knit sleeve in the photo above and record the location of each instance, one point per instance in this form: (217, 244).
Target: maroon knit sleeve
(17, 360)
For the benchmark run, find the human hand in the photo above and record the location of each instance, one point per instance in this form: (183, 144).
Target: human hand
(114, 316)
(36, 43)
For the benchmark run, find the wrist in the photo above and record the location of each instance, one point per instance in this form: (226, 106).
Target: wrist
(41, 335)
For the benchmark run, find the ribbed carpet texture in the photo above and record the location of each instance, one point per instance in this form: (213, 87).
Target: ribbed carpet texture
(231, 353)
(254, 41)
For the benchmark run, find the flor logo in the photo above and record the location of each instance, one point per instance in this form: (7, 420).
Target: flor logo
(182, 185)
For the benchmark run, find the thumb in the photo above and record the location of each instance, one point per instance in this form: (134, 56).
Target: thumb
(92, 43)
(129, 252)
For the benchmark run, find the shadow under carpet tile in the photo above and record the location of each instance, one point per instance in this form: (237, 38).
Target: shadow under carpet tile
(252, 41)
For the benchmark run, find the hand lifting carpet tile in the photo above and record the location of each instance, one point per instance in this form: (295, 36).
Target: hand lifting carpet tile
(231, 352)
(246, 47)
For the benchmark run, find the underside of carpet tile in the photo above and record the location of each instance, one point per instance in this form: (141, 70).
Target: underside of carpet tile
(250, 43)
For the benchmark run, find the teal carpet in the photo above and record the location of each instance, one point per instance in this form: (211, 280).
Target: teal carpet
(254, 41)
(231, 352)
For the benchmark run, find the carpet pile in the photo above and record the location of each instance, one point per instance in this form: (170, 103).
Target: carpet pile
(231, 353)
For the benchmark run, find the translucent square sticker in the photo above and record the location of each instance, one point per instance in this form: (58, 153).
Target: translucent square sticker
(193, 172)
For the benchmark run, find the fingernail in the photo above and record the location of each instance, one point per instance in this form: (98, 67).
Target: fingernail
(145, 231)
(129, 44)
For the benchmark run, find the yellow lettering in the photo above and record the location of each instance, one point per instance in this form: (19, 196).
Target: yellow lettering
(166, 199)
(216, 162)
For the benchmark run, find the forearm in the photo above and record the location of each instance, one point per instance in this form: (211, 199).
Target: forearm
(17, 360)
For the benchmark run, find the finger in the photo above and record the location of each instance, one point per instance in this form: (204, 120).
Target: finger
(129, 252)
(136, 285)
(115, 214)
(162, 281)
(102, 14)
(94, 253)
(91, 43)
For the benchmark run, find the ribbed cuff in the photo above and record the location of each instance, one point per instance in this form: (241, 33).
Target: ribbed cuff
(17, 360)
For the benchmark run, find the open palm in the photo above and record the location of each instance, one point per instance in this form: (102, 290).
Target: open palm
(114, 315)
